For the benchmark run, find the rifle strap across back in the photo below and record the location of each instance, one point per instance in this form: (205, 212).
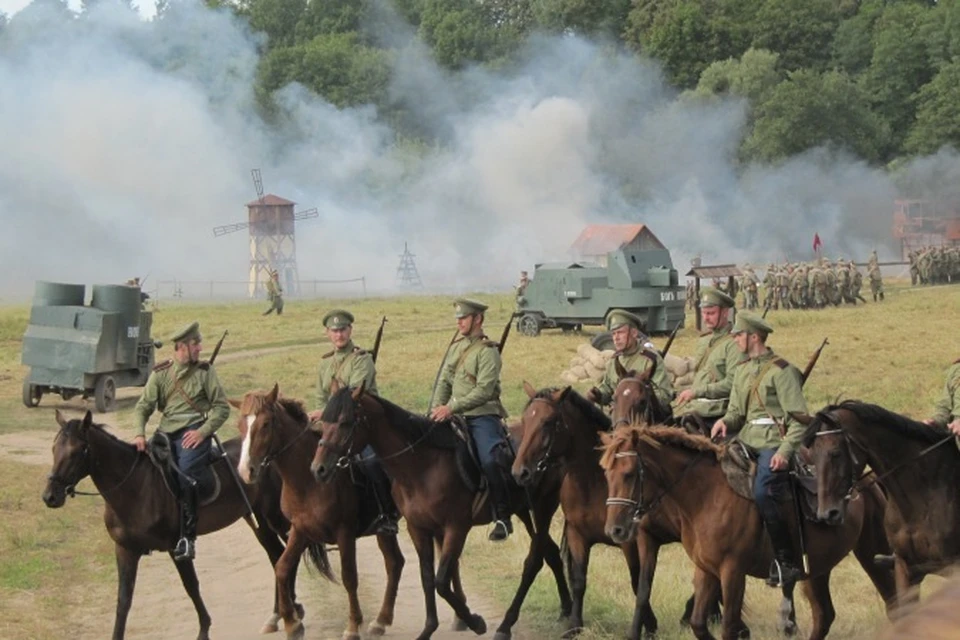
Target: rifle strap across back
(177, 387)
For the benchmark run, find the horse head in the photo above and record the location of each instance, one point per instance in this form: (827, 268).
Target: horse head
(544, 433)
(837, 465)
(340, 436)
(71, 459)
(623, 469)
(257, 415)
(634, 398)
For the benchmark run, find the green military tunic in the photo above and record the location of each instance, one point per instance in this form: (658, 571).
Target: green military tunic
(350, 366)
(198, 382)
(766, 391)
(947, 408)
(716, 357)
(470, 379)
(638, 359)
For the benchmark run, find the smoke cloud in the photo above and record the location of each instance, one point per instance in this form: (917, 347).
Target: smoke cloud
(127, 141)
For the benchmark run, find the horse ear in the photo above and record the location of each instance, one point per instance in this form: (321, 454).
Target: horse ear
(560, 394)
(234, 403)
(529, 390)
(87, 421)
(618, 367)
(357, 392)
(60, 419)
(274, 394)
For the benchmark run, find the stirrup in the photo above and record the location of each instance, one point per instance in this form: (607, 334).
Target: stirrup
(501, 531)
(185, 550)
(783, 574)
(387, 526)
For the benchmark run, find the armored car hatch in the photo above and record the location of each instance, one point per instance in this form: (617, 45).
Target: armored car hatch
(620, 267)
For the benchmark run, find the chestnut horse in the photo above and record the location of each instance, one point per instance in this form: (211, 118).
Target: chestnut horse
(278, 432)
(142, 515)
(420, 457)
(920, 470)
(667, 469)
(562, 429)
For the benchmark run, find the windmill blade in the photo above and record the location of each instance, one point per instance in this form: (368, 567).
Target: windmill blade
(257, 183)
(223, 230)
(303, 215)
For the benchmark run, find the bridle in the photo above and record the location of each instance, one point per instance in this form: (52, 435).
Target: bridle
(635, 500)
(270, 457)
(649, 399)
(70, 486)
(550, 428)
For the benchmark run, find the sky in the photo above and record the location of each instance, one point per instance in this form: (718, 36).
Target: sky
(134, 139)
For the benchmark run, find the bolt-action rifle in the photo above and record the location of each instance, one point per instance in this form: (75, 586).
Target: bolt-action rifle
(378, 339)
(673, 335)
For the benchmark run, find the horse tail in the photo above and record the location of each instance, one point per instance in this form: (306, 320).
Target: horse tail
(320, 561)
(565, 551)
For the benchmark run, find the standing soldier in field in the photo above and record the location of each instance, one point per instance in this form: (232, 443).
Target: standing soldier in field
(274, 293)
(350, 366)
(914, 270)
(767, 412)
(626, 330)
(770, 290)
(716, 356)
(469, 386)
(946, 412)
(876, 282)
(750, 286)
(189, 395)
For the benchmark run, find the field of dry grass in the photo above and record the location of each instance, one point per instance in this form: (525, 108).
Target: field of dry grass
(893, 353)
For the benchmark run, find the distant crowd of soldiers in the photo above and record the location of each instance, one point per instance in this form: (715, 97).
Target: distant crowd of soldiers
(934, 265)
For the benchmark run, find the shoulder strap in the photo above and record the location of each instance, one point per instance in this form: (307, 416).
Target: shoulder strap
(177, 387)
(463, 356)
(755, 389)
(166, 364)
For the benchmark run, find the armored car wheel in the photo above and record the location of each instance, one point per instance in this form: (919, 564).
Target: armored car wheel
(31, 394)
(105, 394)
(529, 325)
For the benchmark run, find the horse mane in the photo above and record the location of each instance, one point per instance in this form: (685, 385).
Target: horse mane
(255, 401)
(875, 414)
(413, 427)
(656, 436)
(584, 406)
(102, 428)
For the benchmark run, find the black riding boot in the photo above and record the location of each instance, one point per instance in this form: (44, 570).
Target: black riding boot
(389, 515)
(784, 570)
(500, 497)
(185, 549)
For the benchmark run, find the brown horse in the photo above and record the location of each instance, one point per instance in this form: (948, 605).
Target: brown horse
(920, 470)
(634, 399)
(420, 456)
(142, 515)
(278, 432)
(937, 618)
(663, 468)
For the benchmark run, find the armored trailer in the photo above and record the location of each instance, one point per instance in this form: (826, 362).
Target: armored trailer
(90, 350)
(570, 294)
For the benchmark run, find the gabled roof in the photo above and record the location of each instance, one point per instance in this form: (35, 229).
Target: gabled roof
(716, 271)
(270, 200)
(598, 239)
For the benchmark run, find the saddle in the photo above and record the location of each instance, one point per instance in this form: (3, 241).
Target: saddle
(468, 464)
(160, 453)
(739, 464)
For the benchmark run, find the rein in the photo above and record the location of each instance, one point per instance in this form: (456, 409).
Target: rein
(639, 509)
(70, 487)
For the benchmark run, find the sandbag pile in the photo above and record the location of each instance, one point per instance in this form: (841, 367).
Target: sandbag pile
(589, 364)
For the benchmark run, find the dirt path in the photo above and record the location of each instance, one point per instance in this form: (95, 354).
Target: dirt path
(236, 581)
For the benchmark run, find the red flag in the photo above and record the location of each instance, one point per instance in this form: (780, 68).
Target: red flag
(816, 242)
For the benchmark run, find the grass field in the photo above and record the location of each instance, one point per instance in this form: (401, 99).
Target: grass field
(893, 353)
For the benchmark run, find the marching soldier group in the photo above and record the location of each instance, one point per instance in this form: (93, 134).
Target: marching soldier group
(934, 265)
(811, 285)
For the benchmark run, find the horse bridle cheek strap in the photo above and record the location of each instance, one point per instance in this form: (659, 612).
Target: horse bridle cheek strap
(544, 461)
(70, 488)
(639, 509)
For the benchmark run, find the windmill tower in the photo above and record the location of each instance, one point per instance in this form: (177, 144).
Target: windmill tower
(407, 275)
(271, 221)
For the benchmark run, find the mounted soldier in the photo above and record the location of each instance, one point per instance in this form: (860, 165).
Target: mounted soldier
(188, 394)
(628, 339)
(716, 357)
(946, 412)
(765, 411)
(347, 365)
(469, 386)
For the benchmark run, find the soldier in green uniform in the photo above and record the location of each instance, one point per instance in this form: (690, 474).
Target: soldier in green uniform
(469, 386)
(625, 328)
(767, 400)
(716, 357)
(946, 412)
(351, 366)
(274, 294)
(189, 395)
(876, 282)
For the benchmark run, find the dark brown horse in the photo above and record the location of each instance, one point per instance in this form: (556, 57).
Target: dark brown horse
(667, 469)
(438, 505)
(278, 432)
(634, 399)
(142, 515)
(919, 467)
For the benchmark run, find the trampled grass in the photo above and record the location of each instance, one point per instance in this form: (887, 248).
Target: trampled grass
(894, 354)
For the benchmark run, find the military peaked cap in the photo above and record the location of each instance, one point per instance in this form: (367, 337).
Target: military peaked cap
(338, 319)
(711, 297)
(189, 332)
(751, 323)
(463, 307)
(618, 317)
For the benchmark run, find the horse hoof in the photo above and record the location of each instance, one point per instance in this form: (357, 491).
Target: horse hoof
(376, 629)
(459, 625)
(790, 629)
(350, 636)
(295, 631)
(477, 624)
(299, 609)
(502, 635)
(572, 632)
(269, 628)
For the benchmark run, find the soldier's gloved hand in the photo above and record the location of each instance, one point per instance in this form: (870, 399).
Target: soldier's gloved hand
(140, 442)
(594, 395)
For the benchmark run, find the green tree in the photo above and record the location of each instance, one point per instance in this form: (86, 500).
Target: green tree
(751, 77)
(458, 32)
(586, 17)
(941, 32)
(852, 47)
(331, 16)
(801, 31)
(938, 112)
(809, 110)
(277, 19)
